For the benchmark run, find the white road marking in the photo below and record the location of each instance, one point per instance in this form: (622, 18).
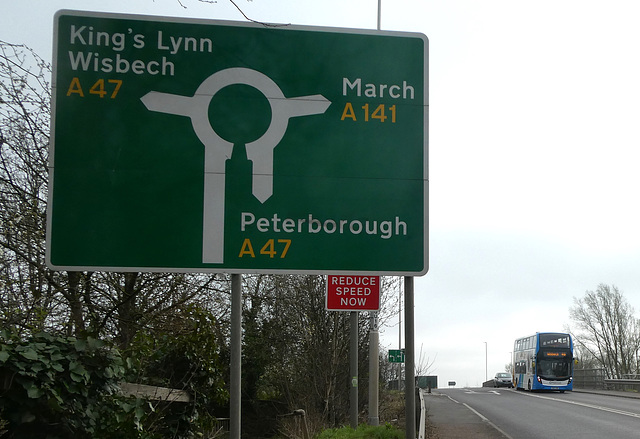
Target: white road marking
(487, 421)
(582, 404)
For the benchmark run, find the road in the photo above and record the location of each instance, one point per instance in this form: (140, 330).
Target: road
(523, 415)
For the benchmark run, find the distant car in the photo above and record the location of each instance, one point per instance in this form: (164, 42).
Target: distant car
(502, 379)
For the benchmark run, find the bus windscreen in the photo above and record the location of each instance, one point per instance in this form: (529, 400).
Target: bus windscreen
(554, 369)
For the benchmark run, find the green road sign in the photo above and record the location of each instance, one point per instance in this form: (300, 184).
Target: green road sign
(396, 355)
(211, 146)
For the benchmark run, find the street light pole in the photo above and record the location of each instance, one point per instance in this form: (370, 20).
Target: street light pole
(486, 363)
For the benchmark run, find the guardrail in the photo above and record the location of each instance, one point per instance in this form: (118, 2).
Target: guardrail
(591, 378)
(423, 415)
(622, 384)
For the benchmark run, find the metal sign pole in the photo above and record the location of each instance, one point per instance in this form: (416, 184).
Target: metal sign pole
(374, 369)
(400, 333)
(409, 357)
(235, 409)
(374, 347)
(353, 348)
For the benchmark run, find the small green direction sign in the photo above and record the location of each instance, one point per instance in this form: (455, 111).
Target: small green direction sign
(396, 355)
(212, 146)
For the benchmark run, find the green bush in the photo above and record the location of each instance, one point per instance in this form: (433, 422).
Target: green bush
(363, 432)
(63, 387)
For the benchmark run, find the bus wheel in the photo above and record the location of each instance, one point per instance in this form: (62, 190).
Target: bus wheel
(529, 386)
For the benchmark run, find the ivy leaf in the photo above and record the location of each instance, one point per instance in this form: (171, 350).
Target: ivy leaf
(75, 367)
(29, 354)
(37, 367)
(80, 345)
(4, 356)
(76, 377)
(94, 343)
(78, 372)
(34, 392)
(57, 356)
(55, 400)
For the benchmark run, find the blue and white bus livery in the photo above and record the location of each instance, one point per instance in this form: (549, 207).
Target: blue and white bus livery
(543, 361)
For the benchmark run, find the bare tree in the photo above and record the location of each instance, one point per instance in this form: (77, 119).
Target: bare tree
(423, 364)
(585, 357)
(33, 297)
(609, 330)
(234, 3)
(28, 291)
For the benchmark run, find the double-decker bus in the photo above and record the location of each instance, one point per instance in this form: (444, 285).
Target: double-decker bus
(543, 361)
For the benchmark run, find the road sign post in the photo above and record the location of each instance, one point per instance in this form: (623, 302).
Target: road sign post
(209, 146)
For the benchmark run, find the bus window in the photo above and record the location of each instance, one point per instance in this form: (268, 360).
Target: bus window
(554, 341)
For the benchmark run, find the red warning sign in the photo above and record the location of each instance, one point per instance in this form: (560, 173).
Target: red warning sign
(353, 293)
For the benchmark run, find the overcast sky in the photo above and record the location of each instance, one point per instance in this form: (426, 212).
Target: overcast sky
(534, 148)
